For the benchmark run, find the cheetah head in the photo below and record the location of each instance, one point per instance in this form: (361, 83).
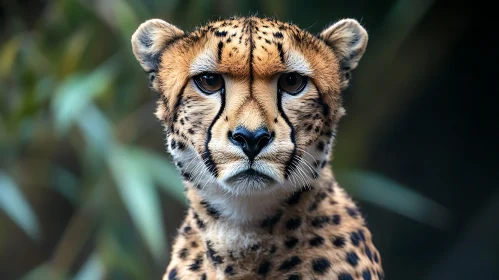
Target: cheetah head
(249, 105)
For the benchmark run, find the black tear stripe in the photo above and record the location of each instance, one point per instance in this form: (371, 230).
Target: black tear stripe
(292, 159)
(207, 157)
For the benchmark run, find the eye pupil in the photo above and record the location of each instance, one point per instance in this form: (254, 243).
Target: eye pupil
(211, 80)
(291, 79)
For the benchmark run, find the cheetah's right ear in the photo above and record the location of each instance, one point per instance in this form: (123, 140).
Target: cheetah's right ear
(150, 39)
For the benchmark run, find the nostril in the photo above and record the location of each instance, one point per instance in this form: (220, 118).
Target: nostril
(238, 138)
(264, 141)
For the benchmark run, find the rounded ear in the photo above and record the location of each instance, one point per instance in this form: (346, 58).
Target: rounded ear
(348, 39)
(150, 39)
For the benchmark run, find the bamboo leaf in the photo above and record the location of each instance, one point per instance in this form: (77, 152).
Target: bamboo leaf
(92, 269)
(386, 193)
(136, 188)
(15, 205)
(76, 92)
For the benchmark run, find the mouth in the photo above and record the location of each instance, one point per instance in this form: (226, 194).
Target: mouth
(250, 177)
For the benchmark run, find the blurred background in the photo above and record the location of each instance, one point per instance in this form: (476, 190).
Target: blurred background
(88, 192)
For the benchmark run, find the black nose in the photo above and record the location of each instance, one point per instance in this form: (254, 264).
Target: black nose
(252, 142)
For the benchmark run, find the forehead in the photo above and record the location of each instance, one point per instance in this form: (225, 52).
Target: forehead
(251, 46)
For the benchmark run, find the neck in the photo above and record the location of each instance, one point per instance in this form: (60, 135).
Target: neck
(216, 209)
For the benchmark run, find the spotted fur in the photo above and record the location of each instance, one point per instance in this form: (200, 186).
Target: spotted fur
(292, 221)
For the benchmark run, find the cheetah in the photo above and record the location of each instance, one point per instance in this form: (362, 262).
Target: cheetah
(250, 108)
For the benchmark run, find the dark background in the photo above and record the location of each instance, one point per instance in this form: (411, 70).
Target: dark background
(87, 191)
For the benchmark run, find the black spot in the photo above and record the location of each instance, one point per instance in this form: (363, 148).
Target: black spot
(320, 146)
(368, 253)
(294, 277)
(173, 274)
(264, 268)
(212, 254)
(182, 254)
(319, 221)
(181, 145)
(313, 206)
(271, 221)
(255, 247)
(290, 263)
(190, 131)
(345, 276)
(203, 277)
(273, 249)
(366, 274)
(210, 209)
(376, 258)
(362, 236)
(186, 175)
(352, 258)
(355, 238)
(293, 223)
(309, 127)
(199, 222)
(294, 198)
(187, 229)
(290, 242)
(339, 241)
(321, 265)
(173, 144)
(316, 241)
(336, 219)
(278, 35)
(229, 270)
(220, 33)
(275, 120)
(194, 244)
(196, 265)
(352, 212)
(323, 164)
(220, 49)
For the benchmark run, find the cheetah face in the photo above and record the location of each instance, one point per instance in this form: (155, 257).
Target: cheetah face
(249, 105)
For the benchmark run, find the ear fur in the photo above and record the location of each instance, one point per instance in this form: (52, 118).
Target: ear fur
(348, 40)
(148, 42)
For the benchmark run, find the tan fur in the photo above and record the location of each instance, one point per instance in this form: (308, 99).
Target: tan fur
(241, 229)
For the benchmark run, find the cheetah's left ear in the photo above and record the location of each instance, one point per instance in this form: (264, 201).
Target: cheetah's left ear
(149, 41)
(348, 39)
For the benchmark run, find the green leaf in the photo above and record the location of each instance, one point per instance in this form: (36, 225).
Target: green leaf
(76, 92)
(388, 194)
(136, 188)
(15, 205)
(43, 271)
(92, 269)
(96, 128)
(165, 174)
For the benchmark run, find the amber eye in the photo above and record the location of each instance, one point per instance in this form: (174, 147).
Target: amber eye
(209, 82)
(292, 83)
